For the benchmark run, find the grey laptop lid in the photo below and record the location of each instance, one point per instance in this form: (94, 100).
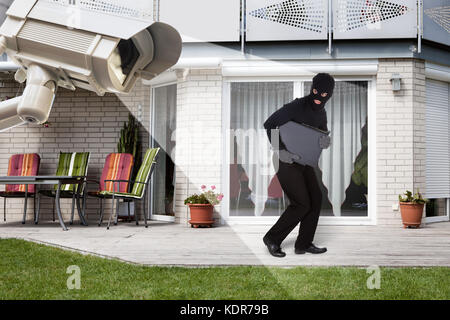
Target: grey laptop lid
(302, 140)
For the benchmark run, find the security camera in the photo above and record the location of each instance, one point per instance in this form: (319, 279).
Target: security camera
(76, 45)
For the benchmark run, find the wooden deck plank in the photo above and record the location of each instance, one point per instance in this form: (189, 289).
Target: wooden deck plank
(174, 244)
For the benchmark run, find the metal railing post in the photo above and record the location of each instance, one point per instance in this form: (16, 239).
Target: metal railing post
(419, 25)
(330, 25)
(243, 8)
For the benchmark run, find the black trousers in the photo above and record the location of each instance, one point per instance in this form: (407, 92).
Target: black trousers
(299, 182)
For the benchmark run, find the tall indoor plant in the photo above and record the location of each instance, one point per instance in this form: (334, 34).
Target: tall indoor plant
(201, 206)
(360, 171)
(129, 143)
(411, 208)
(129, 140)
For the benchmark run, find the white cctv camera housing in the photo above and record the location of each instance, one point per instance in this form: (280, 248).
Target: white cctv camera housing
(71, 46)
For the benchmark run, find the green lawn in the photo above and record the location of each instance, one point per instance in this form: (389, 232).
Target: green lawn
(33, 271)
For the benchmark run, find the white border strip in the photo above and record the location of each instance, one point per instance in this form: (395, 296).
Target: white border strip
(258, 68)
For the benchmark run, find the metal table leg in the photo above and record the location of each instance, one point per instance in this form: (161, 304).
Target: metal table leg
(25, 206)
(36, 219)
(128, 208)
(101, 212)
(116, 219)
(58, 206)
(80, 212)
(84, 204)
(112, 211)
(145, 207)
(34, 205)
(73, 209)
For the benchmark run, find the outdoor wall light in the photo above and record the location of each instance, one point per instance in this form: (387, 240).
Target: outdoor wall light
(396, 82)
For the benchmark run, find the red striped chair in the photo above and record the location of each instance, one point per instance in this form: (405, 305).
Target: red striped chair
(118, 166)
(21, 165)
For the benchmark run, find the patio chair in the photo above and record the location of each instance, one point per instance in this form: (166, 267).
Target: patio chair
(118, 166)
(70, 164)
(21, 165)
(140, 185)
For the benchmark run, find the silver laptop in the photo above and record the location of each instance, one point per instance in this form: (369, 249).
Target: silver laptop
(302, 140)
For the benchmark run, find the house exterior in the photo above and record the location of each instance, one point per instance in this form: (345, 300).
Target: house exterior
(241, 61)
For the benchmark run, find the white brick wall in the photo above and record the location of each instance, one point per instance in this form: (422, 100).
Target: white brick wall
(79, 121)
(198, 135)
(96, 123)
(400, 134)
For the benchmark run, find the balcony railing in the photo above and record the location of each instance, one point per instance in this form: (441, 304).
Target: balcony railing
(274, 20)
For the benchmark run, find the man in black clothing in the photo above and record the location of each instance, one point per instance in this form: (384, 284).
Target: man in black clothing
(299, 182)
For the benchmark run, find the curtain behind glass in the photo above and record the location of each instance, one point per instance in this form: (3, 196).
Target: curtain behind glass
(346, 113)
(251, 104)
(163, 126)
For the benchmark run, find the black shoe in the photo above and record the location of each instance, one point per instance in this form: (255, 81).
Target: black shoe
(311, 249)
(274, 249)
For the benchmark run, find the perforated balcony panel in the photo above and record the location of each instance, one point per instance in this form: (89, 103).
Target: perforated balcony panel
(286, 20)
(362, 19)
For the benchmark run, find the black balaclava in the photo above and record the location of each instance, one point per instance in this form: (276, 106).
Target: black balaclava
(322, 82)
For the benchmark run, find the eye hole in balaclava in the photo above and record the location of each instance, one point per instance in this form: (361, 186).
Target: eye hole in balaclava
(322, 82)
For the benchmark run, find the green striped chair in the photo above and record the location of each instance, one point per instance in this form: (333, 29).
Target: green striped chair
(140, 185)
(70, 164)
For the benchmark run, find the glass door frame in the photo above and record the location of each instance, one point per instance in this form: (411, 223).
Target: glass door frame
(298, 92)
(156, 217)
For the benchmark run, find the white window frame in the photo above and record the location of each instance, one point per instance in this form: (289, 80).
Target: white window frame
(157, 217)
(440, 218)
(298, 92)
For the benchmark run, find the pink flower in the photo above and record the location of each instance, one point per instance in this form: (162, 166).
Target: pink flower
(220, 197)
(213, 187)
(203, 186)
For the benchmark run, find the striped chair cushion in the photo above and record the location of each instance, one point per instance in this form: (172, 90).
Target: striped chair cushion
(117, 167)
(144, 172)
(23, 165)
(72, 164)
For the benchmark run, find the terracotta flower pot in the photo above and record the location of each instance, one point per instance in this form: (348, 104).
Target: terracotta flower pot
(201, 215)
(411, 214)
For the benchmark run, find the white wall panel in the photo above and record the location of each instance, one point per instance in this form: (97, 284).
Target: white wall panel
(286, 20)
(363, 19)
(203, 20)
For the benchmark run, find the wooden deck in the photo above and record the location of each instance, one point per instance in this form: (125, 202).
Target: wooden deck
(174, 244)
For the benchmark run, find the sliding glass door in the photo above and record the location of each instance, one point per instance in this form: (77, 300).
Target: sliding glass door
(343, 168)
(163, 125)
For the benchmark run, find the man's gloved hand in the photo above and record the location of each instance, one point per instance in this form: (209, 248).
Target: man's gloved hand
(324, 142)
(286, 156)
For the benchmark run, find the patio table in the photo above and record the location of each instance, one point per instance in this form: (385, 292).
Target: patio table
(49, 180)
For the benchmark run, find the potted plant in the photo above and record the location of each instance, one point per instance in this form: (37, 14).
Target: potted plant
(201, 206)
(411, 208)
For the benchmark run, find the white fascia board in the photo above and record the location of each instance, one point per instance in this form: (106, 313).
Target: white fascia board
(263, 67)
(167, 76)
(298, 68)
(437, 72)
(198, 63)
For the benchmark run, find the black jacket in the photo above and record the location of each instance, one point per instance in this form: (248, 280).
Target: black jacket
(299, 110)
